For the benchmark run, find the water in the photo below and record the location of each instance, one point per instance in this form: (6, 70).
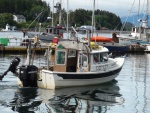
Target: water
(128, 93)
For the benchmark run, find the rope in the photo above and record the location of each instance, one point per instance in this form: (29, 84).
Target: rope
(127, 17)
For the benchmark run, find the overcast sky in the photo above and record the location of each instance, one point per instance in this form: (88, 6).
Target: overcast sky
(119, 7)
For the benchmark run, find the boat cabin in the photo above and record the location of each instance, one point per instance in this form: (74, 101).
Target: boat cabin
(136, 31)
(73, 57)
(55, 30)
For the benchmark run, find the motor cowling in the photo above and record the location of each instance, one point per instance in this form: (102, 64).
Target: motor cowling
(28, 74)
(12, 67)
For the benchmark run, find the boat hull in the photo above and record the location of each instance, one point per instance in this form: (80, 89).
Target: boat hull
(42, 37)
(114, 47)
(128, 40)
(52, 80)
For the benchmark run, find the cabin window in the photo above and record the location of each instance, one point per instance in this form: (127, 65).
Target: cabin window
(71, 53)
(83, 60)
(60, 58)
(50, 30)
(100, 57)
(96, 58)
(46, 30)
(133, 29)
(104, 57)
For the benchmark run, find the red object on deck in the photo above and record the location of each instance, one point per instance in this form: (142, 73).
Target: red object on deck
(55, 40)
(101, 39)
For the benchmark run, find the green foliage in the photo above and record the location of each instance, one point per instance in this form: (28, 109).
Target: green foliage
(127, 26)
(28, 8)
(6, 18)
(32, 8)
(102, 19)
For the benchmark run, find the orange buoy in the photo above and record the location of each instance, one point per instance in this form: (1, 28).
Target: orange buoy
(101, 39)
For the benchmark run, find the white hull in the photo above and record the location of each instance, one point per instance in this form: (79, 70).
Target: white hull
(52, 80)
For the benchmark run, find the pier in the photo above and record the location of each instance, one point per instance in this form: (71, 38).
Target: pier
(19, 49)
(18, 45)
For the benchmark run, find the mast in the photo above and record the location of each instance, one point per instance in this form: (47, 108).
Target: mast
(53, 15)
(93, 17)
(145, 22)
(60, 12)
(67, 19)
(147, 7)
(58, 7)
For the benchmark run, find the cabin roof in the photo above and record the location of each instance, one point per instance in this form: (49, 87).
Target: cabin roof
(81, 46)
(71, 44)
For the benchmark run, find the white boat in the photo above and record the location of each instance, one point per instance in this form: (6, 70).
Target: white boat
(139, 34)
(135, 36)
(9, 28)
(74, 64)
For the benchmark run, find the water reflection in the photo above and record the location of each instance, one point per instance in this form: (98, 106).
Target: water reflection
(90, 99)
(24, 100)
(140, 74)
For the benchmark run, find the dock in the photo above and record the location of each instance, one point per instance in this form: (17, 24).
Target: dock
(20, 49)
(14, 46)
(18, 46)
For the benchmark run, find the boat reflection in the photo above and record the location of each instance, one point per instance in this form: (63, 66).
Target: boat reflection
(89, 99)
(25, 100)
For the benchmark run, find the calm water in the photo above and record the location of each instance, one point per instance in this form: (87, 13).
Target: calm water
(128, 93)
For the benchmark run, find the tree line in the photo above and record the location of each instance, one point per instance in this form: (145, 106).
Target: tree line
(32, 8)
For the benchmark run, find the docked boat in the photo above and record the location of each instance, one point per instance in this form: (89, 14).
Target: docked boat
(9, 28)
(139, 34)
(136, 36)
(74, 64)
(112, 44)
(51, 32)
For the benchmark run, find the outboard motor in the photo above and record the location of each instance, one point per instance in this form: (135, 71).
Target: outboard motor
(28, 75)
(13, 67)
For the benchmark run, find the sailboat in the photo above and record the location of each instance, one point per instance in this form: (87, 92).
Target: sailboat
(140, 34)
(111, 43)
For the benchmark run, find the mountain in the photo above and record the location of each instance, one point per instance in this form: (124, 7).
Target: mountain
(134, 19)
(127, 26)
